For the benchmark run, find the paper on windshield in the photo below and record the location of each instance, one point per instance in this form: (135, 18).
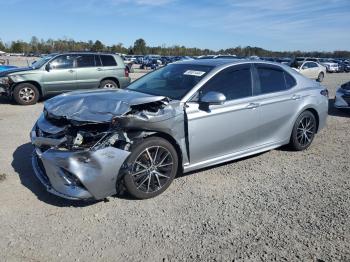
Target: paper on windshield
(194, 73)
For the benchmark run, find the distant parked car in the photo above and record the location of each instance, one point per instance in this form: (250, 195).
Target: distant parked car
(343, 67)
(331, 67)
(312, 70)
(54, 74)
(342, 97)
(151, 61)
(346, 67)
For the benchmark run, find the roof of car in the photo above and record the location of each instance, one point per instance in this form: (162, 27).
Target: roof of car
(213, 62)
(86, 53)
(223, 61)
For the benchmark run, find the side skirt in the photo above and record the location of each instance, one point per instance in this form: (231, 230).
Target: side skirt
(233, 156)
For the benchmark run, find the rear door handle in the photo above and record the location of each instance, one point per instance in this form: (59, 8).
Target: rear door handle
(71, 71)
(99, 69)
(253, 105)
(296, 97)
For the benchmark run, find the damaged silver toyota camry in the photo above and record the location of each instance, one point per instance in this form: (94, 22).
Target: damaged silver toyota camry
(182, 117)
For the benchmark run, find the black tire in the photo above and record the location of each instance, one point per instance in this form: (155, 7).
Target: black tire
(304, 131)
(142, 183)
(320, 77)
(26, 94)
(108, 84)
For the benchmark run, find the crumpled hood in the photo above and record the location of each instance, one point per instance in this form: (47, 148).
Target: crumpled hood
(15, 70)
(96, 105)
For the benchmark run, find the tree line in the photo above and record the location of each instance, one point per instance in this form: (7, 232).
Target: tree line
(38, 47)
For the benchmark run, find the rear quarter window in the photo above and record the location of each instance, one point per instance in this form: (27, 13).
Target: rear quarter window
(290, 81)
(108, 60)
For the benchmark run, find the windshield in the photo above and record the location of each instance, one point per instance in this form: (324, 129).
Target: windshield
(173, 81)
(39, 63)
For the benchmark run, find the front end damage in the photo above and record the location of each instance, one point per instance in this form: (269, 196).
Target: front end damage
(78, 156)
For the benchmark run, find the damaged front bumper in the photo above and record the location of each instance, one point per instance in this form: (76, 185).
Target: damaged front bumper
(4, 86)
(85, 174)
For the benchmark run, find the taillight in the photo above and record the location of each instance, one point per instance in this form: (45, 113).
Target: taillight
(126, 70)
(324, 92)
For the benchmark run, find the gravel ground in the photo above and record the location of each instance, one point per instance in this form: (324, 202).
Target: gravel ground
(279, 205)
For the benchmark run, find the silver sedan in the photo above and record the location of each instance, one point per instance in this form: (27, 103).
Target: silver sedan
(182, 117)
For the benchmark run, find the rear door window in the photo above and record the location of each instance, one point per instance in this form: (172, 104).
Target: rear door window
(85, 61)
(272, 79)
(290, 81)
(108, 60)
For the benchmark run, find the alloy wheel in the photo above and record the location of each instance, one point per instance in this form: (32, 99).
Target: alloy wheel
(26, 94)
(306, 131)
(109, 85)
(152, 169)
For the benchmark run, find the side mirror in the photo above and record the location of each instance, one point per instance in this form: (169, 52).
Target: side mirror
(213, 98)
(47, 67)
(304, 67)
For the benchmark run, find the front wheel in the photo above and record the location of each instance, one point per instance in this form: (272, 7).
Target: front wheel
(26, 94)
(108, 84)
(153, 165)
(303, 131)
(320, 77)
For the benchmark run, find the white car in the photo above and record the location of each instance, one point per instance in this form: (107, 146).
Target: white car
(331, 67)
(312, 70)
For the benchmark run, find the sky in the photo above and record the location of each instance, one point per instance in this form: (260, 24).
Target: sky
(307, 25)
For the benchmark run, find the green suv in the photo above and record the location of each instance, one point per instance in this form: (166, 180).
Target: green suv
(58, 73)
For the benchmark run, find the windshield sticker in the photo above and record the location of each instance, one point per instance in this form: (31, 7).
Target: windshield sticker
(194, 73)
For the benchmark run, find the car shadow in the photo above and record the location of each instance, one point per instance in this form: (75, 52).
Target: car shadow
(6, 100)
(22, 164)
(332, 111)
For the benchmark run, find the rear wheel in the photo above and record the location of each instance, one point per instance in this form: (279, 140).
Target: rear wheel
(153, 165)
(303, 131)
(108, 84)
(26, 94)
(320, 77)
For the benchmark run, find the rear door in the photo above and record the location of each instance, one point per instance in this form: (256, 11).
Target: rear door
(276, 94)
(109, 66)
(89, 74)
(62, 75)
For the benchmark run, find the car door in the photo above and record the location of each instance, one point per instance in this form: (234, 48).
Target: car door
(219, 130)
(314, 70)
(89, 74)
(276, 94)
(60, 75)
(110, 67)
(306, 69)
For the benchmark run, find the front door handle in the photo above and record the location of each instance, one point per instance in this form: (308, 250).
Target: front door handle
(99, 69)
(296, 97)
(71, 71)
(253, 105)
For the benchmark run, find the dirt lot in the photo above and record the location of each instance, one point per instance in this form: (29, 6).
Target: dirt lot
(279, 205)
